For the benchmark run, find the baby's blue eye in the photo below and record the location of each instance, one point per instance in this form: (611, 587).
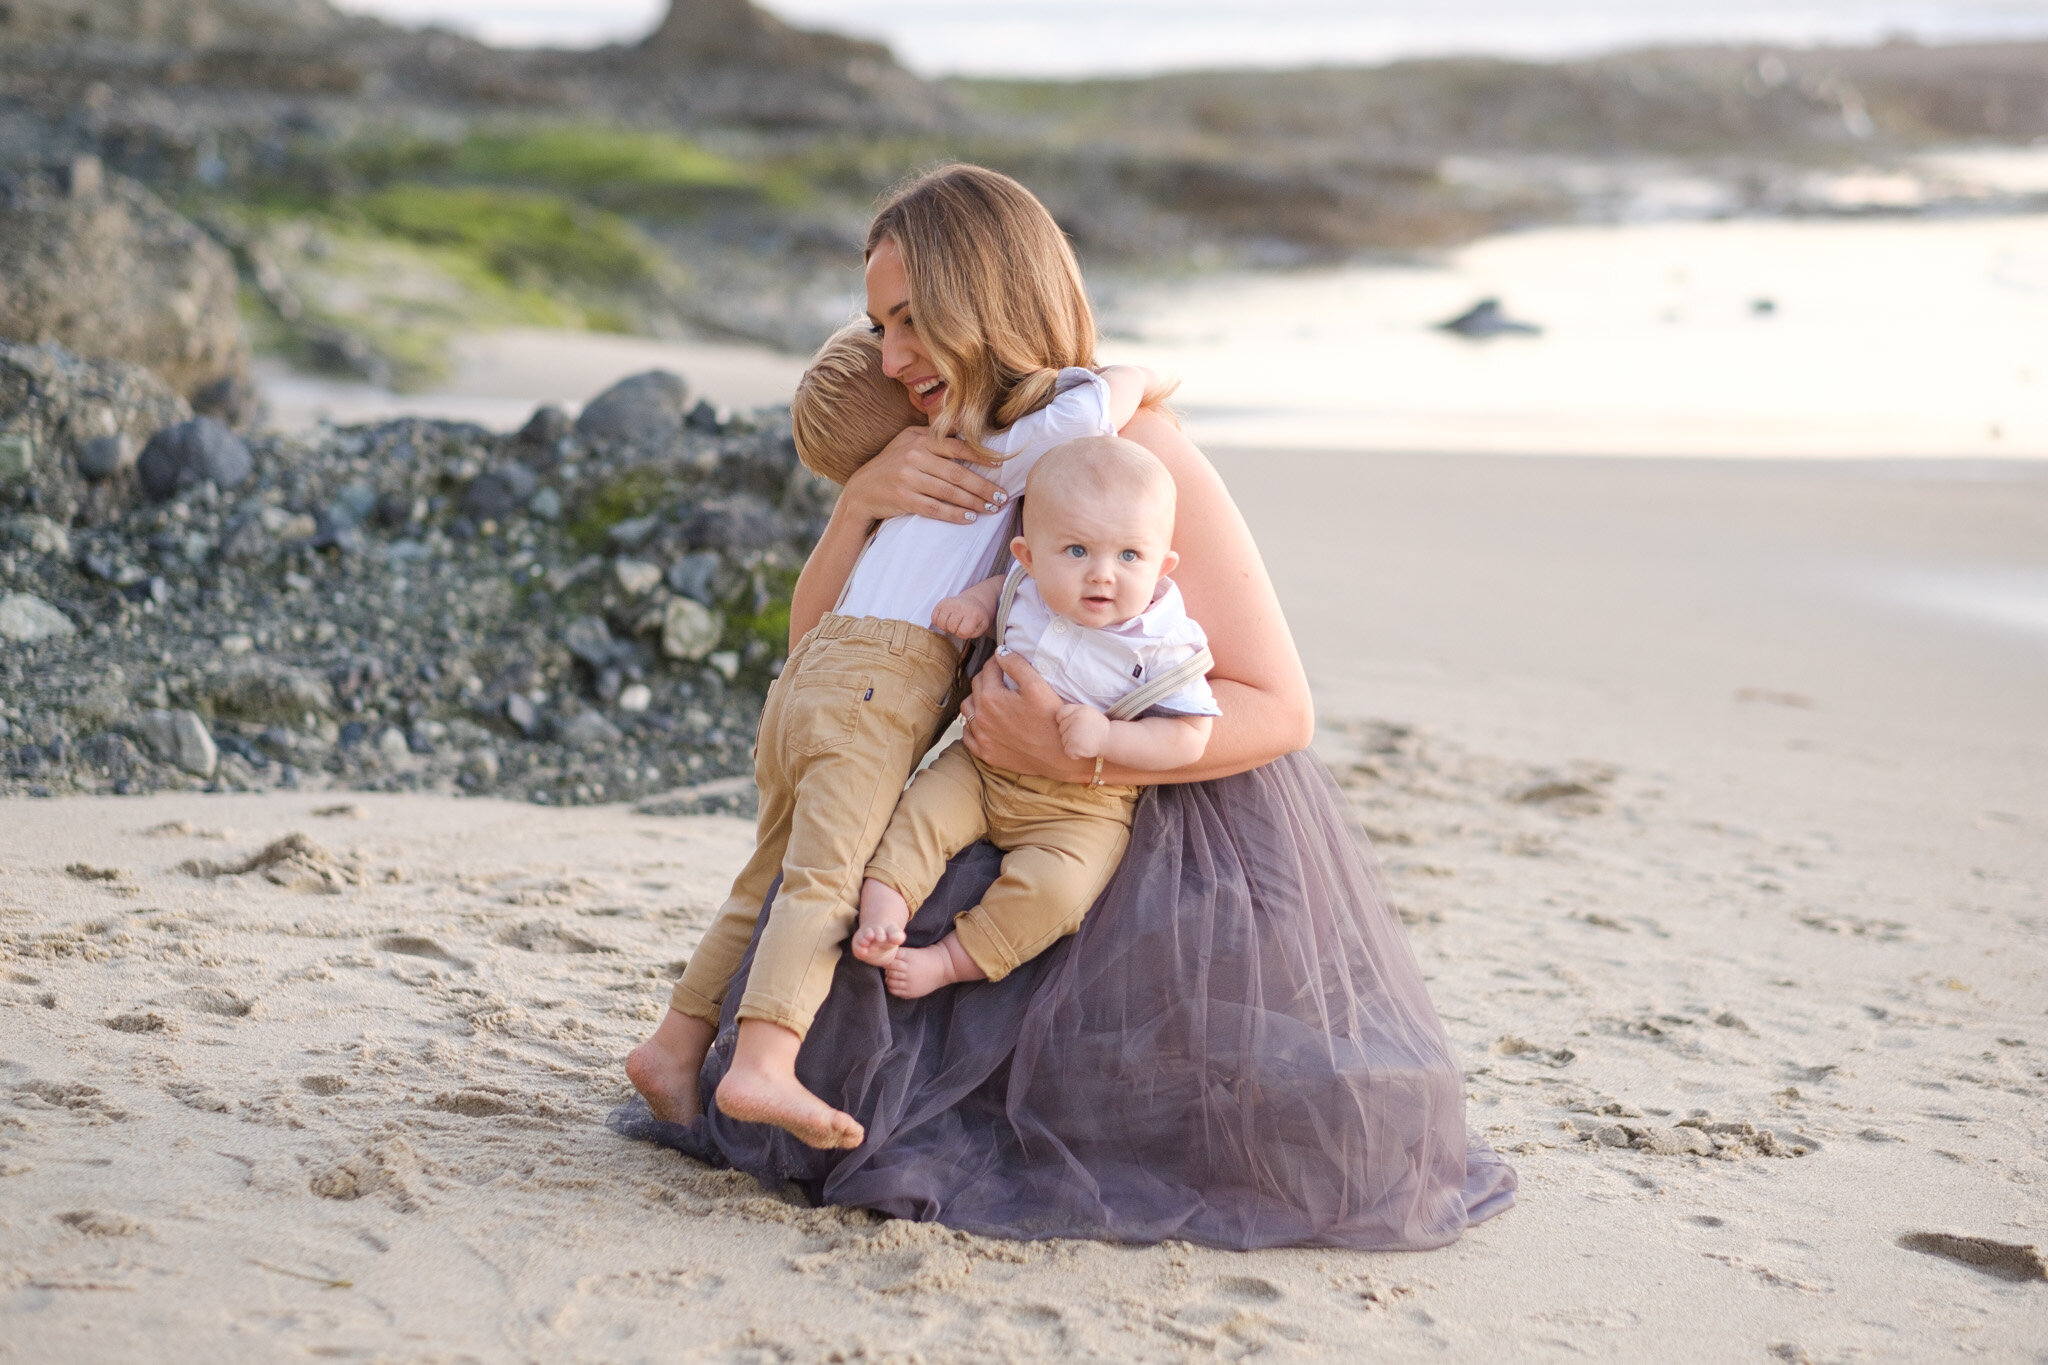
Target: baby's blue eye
(1128, 556)
(1077, 552)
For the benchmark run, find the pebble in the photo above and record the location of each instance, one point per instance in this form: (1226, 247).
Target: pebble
(193, 452)
(587, 731)
(392, 744)
(181, 738)
(499, 493)
(27, 619)
(39, 534)
(103, 457)
(636, 697)
(689, 629)
(636, 577)
(17, 456)
(692, 575)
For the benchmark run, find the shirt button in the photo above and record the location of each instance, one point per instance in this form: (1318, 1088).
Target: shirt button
(1059, 627)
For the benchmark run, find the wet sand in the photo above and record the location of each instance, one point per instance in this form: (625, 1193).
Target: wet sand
(1713, 795)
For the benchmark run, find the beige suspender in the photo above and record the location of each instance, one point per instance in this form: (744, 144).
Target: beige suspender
(1140, 699)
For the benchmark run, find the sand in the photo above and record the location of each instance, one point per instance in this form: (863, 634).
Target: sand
(1715, 796)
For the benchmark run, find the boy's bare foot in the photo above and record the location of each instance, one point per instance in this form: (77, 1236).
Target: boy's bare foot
(761, 1087)
(883, 914)
(664, 1069)
(920, 971)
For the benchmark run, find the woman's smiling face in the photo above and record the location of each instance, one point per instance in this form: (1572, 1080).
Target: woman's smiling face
(904, 356)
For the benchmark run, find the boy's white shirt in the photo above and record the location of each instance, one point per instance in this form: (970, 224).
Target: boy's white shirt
(1100, 665)
(914, 563)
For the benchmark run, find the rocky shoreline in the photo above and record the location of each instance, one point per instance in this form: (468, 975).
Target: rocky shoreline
(578, 612)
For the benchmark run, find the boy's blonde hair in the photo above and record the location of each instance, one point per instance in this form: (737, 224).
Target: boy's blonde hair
(1099, 469)
(845, 409)
(995, 292)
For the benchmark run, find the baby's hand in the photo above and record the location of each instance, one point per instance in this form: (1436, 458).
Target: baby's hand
(963, 617)
(1083, 730)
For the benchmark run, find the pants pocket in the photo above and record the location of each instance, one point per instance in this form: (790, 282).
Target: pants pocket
(825, 710)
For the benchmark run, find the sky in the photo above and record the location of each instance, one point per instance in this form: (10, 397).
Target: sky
(1053, 38)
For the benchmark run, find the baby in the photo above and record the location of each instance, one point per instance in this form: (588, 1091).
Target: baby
(1090, 606)
(860, 700)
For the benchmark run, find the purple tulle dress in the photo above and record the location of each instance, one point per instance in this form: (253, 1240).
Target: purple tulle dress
(1235, 1049)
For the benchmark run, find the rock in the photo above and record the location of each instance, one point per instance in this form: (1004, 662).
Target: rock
(393, 746)
(689, 630)
(739, 522)
(726, 661)
(26, 619)
(114, 272)
(703, 417)
(181, 738)
(193, 452)
(353, 505)
(586, 731)
(233, 399)
(636, 697)
(520, 710)
(1675, 1142)
(40, 534)
(590, 640)
(627, 534)
(480, 768)
(397, 509)
(17, 457)
(644, 410)
(103, 457)
(692, 575)
(269, 693)
(500, 492)
(546, 504)
(542, 436)
(636, 577)
(1486, 318)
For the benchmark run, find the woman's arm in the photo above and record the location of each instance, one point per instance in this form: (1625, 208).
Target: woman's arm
(1258, 679)
(914, 473)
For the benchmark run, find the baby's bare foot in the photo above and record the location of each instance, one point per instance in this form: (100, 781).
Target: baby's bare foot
(763, 1097)
(883, 915)
(920, 971)
(664, 1069)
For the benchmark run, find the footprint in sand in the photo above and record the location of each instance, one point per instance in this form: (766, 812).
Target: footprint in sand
(419, 945)
(540, 936)
(2001, 1260)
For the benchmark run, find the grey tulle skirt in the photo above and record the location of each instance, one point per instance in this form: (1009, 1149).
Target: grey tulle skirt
(1235, 1048)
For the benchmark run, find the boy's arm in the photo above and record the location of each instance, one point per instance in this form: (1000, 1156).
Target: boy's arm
(1156, 744)
(1127, 385)
(970, 615)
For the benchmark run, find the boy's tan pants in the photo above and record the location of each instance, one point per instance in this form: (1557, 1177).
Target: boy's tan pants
(1060, 841)
(859, 702)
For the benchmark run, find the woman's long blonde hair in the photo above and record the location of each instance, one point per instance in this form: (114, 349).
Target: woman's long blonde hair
(995, 292)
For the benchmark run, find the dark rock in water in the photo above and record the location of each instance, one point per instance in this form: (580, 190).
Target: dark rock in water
(644, 410)
(691, 576)
(500, 492)
(740, 522)
(590, 640)
(102, 457)
(520, 710)
(193, 452)
(1487, 319)
(703, 417)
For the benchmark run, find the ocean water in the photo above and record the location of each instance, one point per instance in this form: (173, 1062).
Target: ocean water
(1051, 38)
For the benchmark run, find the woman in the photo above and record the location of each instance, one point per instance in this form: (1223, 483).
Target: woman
(1236, 1048)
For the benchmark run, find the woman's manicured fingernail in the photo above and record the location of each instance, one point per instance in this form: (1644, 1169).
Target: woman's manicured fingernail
(970, 516)
(1000, 499)
(988, 507)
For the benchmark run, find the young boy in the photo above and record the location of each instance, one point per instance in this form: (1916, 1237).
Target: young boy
(1090, 606)
(860, 700)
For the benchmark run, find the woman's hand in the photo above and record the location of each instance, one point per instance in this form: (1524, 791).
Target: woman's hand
(1018, 730)
(916, 474)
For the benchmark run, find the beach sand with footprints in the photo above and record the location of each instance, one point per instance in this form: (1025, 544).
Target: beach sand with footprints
(1712, 795)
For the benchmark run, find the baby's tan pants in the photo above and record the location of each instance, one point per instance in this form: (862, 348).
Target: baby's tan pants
(1060, 841)
(859, 702)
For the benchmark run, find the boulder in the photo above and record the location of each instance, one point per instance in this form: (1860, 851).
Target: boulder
(180, 738)
(27, 619)
(499, 493)
(739, 522)
(193, 452)
(103, 267)
(645, 411)
(689, 630)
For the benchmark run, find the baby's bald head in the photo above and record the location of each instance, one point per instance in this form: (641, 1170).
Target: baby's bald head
(1100, 471)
